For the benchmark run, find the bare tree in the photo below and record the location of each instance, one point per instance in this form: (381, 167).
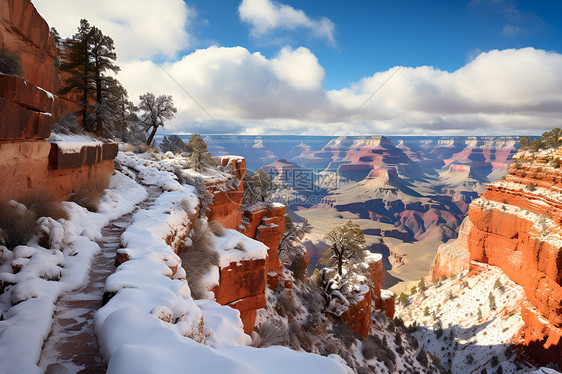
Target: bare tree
(156, 111)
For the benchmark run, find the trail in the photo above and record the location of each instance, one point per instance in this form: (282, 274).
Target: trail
(72, 347)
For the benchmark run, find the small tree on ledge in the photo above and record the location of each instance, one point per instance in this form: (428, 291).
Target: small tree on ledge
(347, 241)
(200, 157)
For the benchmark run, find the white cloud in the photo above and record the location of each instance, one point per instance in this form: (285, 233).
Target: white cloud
(265, 16)
(140, 28)
(499, 92)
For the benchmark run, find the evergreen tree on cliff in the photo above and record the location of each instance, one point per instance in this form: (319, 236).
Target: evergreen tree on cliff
(156, 111)
(103, 59)
(90, 55)
(79, 66)
(200, 157)
(347, 244)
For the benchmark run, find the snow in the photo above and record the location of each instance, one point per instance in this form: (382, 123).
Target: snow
(50, 95)
(236, 247)
(28, 305)
(455, 305)
(153, 325)
(73, 143)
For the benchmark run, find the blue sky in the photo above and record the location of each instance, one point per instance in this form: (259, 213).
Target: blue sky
(372, 36)
(479, 67)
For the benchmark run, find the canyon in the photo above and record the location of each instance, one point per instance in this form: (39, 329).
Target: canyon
(515, 225)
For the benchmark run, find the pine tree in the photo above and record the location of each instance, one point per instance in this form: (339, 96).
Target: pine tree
(156, 111)
(200, 157)
(103, 58)
(174, 144)
(347, 243)
(257, 188)
(91, 54)
(79, 65)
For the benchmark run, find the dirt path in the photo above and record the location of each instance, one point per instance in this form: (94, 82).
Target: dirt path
(72, 347)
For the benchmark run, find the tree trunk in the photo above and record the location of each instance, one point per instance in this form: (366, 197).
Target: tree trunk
(151, 137)
(340, 263)
(99, 99)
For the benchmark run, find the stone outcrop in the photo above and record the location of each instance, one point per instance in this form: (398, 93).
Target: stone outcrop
(24, 32)
(358, 315)
(28, 109)
(453, 257)
(517, 226)
(227, 200)
(266, 224)
(242, 287)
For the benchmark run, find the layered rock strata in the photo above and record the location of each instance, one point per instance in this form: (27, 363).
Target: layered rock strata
(517, 226)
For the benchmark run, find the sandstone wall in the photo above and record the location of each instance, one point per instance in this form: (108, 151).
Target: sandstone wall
(32, 167)
(453, 257)
(517, 227)
(25, 32)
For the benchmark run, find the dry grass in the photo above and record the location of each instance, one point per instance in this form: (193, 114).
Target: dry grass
(45, 206)
(217, 228)
(90, 194)
(17, 224)
(198, 259)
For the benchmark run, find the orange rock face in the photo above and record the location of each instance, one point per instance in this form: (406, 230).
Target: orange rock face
(25, 32)
(267, 225)
(453, 257)
(25, 168)
(358, 316)
(226, 201)
(242, 287)
(517, 227)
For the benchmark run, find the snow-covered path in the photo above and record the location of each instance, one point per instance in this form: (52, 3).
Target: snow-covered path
(72, 345)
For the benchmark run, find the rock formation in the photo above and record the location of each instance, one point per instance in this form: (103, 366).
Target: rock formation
(28, 109)
(516, 225)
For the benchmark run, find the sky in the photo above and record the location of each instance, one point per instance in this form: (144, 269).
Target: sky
(403, 67)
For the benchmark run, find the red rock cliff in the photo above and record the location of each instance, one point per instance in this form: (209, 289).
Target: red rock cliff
(517, 226)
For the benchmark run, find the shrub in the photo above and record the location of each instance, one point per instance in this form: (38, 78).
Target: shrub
(217, 228)
(198, 259)
(205, 197)
(286, 304)
(297, 265)
(10, 63)
(271, 332)
(531, 187)
(421, 357)
(67, 124)
(45, 206)
(426, 311)
(492, 301)
(495, 361)
(89, 195)
(470, 359)
(555, 163)
(17, 224)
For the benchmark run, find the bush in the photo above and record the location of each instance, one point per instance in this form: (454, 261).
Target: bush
(45, 206)
(198, 258)
(492, 301)
(271, 332)
(555, 163)
(297, 266)
(10, 63)
(89, 195)
(205, 197)
(68, 125)
(17, 224)
(174, 144)
(217, 228)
